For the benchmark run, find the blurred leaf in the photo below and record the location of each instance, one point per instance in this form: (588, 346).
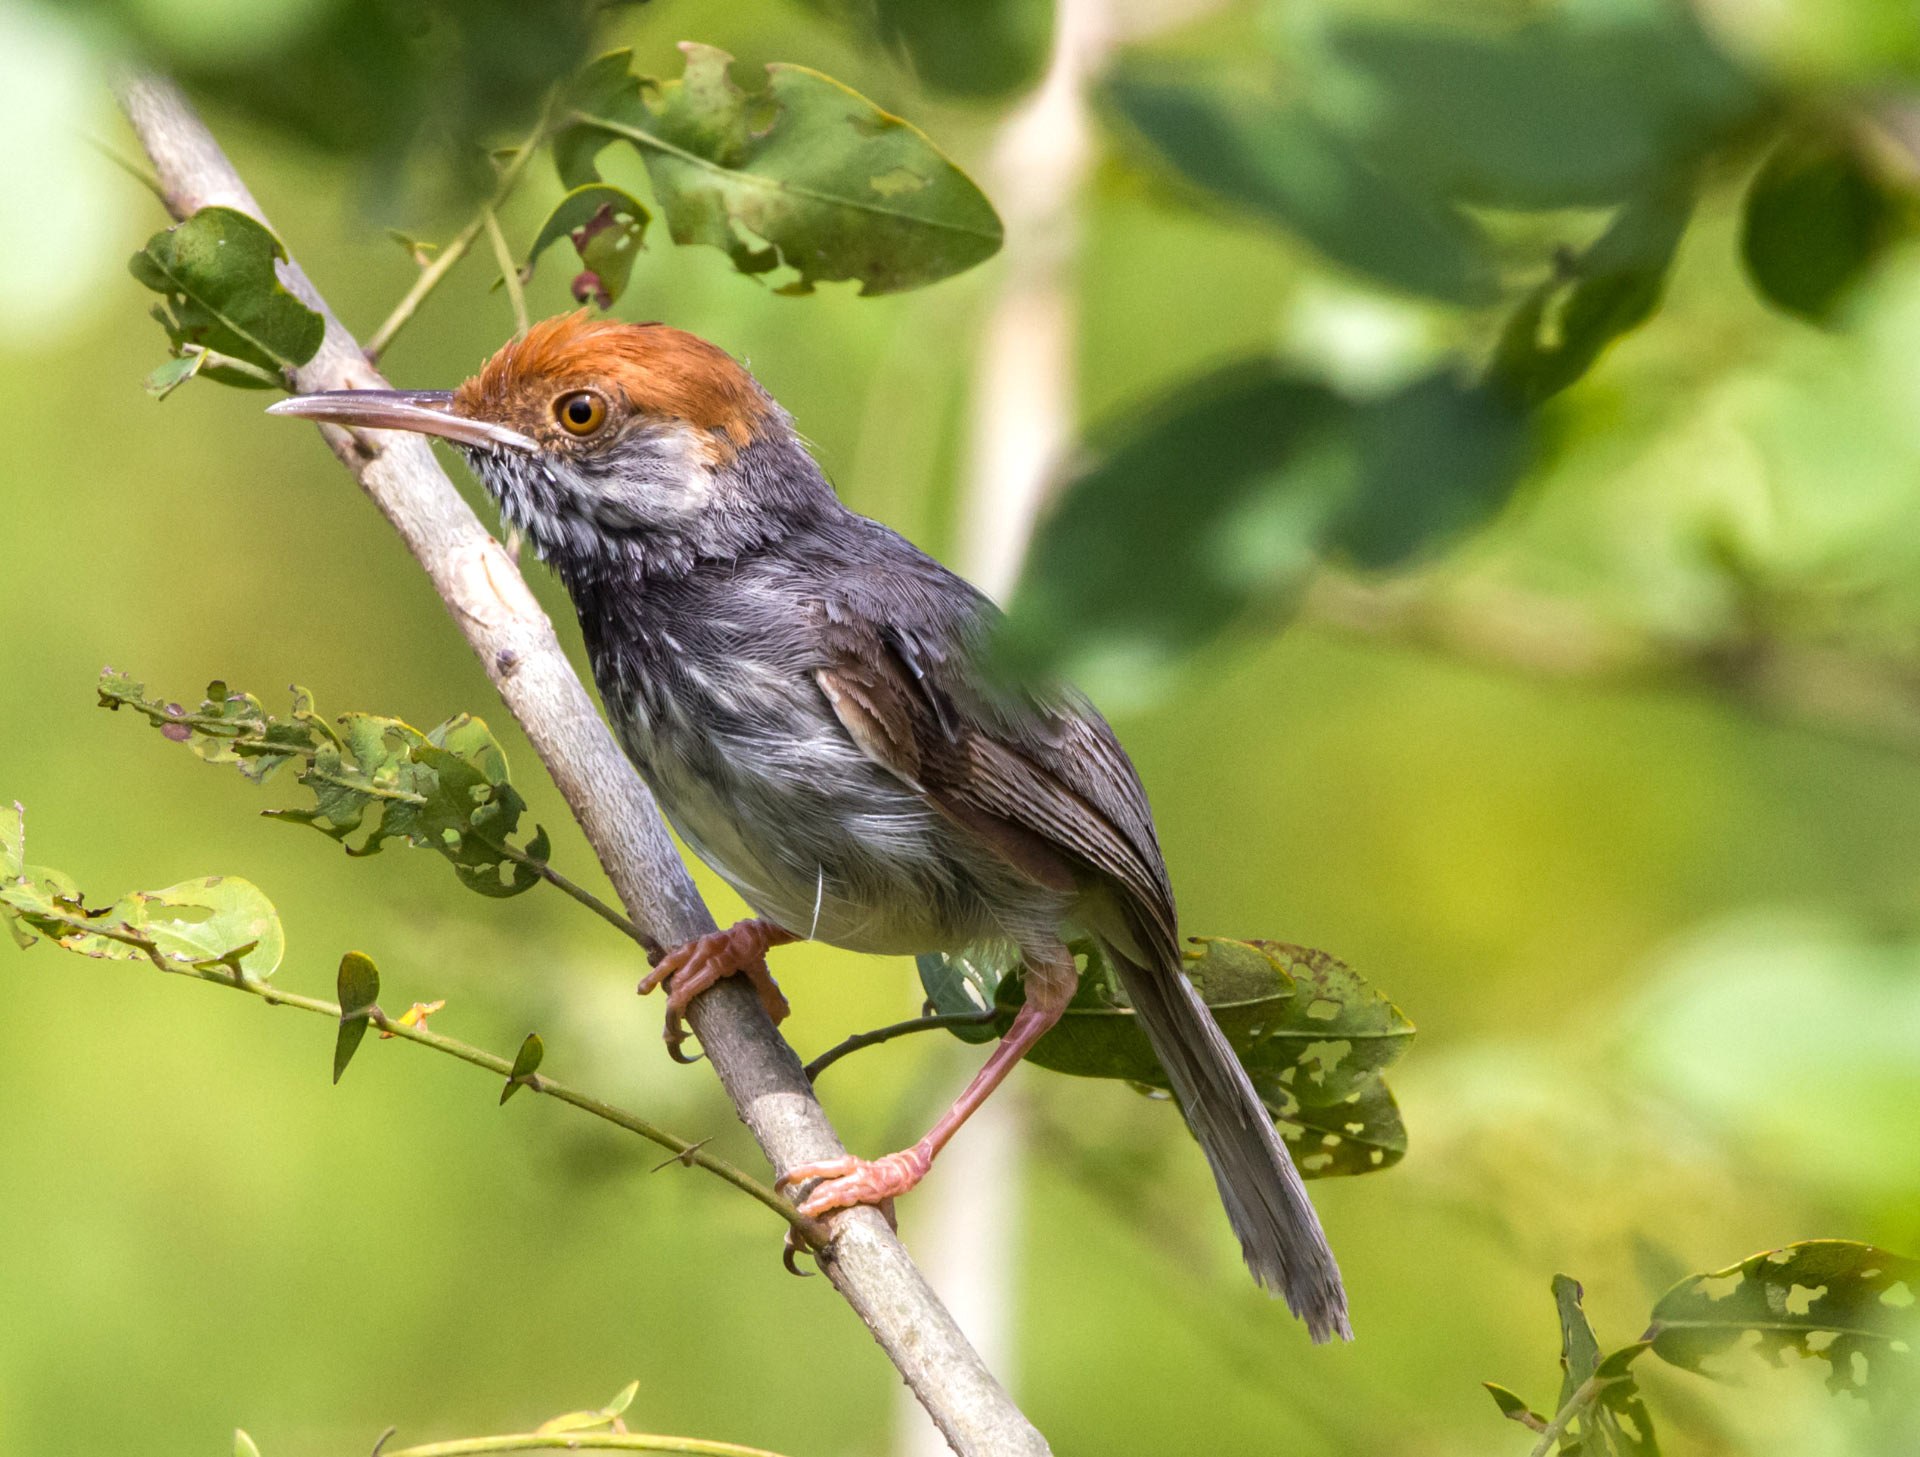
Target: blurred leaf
(1312, 1035)
(168, 377)
(1558, 332)
(1254, 153)
(1850, 1305)
(976, 48)
(962, 982)
(359, 990)
(1818, 216)
(1514, 1409)
(415, 1016)
(1223, 499)
(1585, 105)
(243, 1445)
(621, 1400)
(525, 1063)
(216, 271)
(447, 790)
(806, 172)
(216, 921)
(607, 228)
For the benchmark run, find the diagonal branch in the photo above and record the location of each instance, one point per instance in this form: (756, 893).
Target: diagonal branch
(514, 639)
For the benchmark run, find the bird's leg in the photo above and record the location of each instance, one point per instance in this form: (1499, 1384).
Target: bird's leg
(1050, 984)
(690, 969)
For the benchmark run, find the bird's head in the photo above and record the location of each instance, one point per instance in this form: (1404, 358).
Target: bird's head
(600, 438)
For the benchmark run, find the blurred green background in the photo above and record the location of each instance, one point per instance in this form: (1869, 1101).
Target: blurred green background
(1663, 949)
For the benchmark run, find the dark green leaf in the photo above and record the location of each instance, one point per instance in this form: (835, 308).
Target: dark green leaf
(1312, 1035)
(525, 1063)
(806, 172)
(963, 982)
(359, 992)
(607, 228)
(1817, 217)
(1223, 500)
(1853, 1306)
(1256, 154)
(1583, 106)
(216, 271)
(1558, 332)
(967, 47)
(1514, 1409)
(447, 790)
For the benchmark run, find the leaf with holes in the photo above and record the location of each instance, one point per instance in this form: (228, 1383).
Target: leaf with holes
(960, 983)
(447, 790)
(1313, 1036)
(607, 227)
(804, 172)
(1853, 1306)
(1614, 1420)
(216, 272)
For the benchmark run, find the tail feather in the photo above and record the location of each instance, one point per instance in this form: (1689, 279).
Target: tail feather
(1266, 1201)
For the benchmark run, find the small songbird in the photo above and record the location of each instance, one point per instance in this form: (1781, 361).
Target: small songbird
(807, 696)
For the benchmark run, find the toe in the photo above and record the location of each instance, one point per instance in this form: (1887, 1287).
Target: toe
(823, 1169)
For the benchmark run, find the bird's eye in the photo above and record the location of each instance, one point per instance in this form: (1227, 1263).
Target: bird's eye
(581, 413)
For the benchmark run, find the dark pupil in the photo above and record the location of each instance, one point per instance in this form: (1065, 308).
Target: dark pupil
(580, 409)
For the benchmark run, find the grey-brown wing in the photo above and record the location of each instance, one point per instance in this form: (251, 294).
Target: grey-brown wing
(1043, 781)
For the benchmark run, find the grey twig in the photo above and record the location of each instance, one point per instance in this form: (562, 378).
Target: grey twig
(514, 639)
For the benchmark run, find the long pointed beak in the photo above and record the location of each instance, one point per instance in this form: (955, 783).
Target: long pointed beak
(426, 412)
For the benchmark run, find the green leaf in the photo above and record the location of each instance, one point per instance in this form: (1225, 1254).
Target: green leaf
(216, 272)
(1562, 327)
(962, 982)
(1583, 106)
(168, 377)
(1274, 160)
(359, 993)
(1817, 218)
(198, 925)
(805, 172)
(1223, 499)
(1514, 1409)
(607, 227)
(1853, 1306)
(447, 790)
(1313, 1036)
(621, 1400)
(976, 48)
(243, 1445)
(525, 1063)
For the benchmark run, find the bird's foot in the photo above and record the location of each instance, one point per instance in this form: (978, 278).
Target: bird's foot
(690, 969)
(850, 1181)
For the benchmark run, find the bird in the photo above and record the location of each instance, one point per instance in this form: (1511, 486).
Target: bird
(816, 707)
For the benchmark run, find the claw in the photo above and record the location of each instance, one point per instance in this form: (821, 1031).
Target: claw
(850, 1181)
(688, 970)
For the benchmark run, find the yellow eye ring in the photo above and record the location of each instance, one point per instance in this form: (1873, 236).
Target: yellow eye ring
(580, 413)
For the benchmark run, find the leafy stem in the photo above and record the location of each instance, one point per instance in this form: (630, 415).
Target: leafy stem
(685, 1151)
(431, 276)
(585, 897)
(1584, 1396)
(579, 1442)
(509, 272)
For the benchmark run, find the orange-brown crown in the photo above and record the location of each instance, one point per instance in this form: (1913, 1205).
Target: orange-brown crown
(652, 368)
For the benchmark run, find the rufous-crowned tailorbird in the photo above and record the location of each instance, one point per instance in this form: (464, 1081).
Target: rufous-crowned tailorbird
(807, 696)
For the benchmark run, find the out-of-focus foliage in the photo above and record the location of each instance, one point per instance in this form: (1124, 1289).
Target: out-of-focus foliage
(805, 172)
(1314, 1037)
(974, 48)
(445, 790)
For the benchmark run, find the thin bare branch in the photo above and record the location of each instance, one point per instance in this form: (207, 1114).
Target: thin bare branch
(515, 641)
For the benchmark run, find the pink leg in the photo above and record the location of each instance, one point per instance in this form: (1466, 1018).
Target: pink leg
(1051, 980)
(690, 969)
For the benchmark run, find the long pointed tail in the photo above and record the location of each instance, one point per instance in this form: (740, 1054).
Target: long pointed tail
(1279, 1232)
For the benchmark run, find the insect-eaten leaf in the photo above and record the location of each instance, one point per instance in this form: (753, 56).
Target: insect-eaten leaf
(359, 994)
(805, 172)
(1313, 1036)
(1599, 1411)
(1855, 1307)
(224, 303)
(1219, 503)
(606, 227)
(1560, 329)
(526, 1062)
(446, 790)
(218, 922)
(1819, 215)
(962, 984)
